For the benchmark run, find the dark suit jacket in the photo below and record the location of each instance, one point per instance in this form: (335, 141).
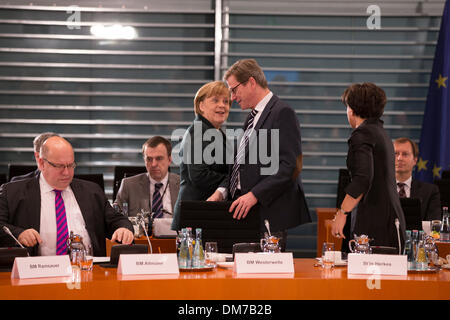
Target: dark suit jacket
(279, 191)
(371, 164)
(430, 202)
(137, 188)
(20, 205)
(199, 179)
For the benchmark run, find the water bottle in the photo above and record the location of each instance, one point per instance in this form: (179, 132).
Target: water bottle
(414, 241)
(178, 240)
(183, 253)
(125, 209)
(409, 252)
(116, 208)
(445, 227)
(198, 258)
(421, 256)
(190, 243)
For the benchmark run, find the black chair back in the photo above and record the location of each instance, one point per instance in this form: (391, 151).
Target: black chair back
(246, 247)
(15, 170)
(411, 211)
(94, 177)
(3, 178)
(218, 224)
(444, 190)
(121, 172)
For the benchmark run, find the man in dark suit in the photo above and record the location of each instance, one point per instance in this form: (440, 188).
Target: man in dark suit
(41, 211)
(137, 190)
(272, 128)
(406, 155)
(37, 144)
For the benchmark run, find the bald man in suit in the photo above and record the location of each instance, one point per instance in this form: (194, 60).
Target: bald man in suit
(31, 207)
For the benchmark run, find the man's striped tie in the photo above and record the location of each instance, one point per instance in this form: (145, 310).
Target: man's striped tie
(62, 232)
(241, 153)
(401, 191)
(157, 201)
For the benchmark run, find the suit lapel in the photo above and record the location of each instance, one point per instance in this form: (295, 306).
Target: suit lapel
(415, 186)
(261, 120)
(34, 195)
(266, 112)
(144, 182)
(83, 203)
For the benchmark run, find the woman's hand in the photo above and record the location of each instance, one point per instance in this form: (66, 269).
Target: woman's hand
(216, 196)
(337, 226)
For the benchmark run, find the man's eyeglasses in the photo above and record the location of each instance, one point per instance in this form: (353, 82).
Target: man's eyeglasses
(61, 166)
(233, 90)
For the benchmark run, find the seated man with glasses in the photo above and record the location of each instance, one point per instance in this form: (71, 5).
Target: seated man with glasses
(42, 211)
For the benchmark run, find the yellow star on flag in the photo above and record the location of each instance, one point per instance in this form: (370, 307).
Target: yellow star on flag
(422, 164)
(441, 81)
(436, 171)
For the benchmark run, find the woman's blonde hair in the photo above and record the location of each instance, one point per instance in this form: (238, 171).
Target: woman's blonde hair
(210, 89)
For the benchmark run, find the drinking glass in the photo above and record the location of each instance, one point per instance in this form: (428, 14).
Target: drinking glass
(436, 228)
(328, 255)
(210, 253)
(87, 263)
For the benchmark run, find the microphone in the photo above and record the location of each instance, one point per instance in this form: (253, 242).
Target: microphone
(142, 223)
(397, 225)
(8, 232)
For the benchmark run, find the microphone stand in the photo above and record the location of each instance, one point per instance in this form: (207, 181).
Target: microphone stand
(8, 232)
(141, 222)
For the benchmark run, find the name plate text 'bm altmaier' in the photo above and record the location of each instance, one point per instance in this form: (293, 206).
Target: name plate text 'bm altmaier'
(148, 264)
(264, 262)
(41, 267)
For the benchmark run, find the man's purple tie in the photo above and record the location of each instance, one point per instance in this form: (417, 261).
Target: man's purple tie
(62, 232)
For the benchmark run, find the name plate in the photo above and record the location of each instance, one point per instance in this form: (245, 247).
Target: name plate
(383, 264)
(264, 263)
(148, 264)
(41, 267)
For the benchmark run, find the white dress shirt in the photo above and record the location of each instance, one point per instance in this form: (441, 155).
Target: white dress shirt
(260, 108)
(75, 220)
(407, 187)
(165, 193)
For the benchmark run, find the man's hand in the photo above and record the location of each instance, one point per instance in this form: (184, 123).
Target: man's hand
(216, 196)
(243, 204)
(123, 235)
(29, 238)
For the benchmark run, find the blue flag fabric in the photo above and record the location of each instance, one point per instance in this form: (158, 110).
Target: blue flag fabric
(434, 148)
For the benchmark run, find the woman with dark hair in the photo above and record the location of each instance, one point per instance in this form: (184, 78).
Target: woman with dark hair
(371, 164)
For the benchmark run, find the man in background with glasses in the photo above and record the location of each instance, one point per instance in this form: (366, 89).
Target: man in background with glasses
(42, 211)
(37, 144)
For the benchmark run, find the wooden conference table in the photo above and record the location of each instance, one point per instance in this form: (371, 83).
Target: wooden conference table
(324, 233)
(159, 245)
(308, 282)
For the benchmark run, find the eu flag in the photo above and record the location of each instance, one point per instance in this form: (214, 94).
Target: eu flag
(434, 156)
